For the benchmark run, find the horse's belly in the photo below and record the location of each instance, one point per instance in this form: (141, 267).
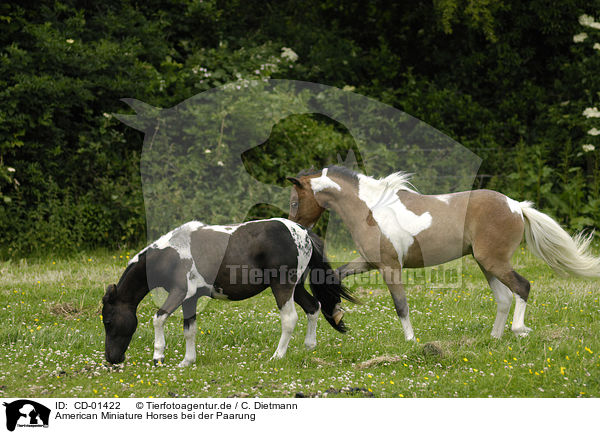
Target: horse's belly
(427, 251)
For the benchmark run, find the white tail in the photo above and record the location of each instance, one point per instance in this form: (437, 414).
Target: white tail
(553, 244)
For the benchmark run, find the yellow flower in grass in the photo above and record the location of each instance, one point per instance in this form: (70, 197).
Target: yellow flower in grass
(588, 350)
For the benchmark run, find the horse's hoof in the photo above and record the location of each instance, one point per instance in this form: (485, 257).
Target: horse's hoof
(338, 314)
(277, 356)
(522, 332)
(310, 346)
(184, 363)
(158, 362)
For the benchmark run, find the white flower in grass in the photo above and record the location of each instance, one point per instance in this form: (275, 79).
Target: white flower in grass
(220, 163)
(70, 41)
(207, 151)
(591, 112)
(580, 37)
(597, 46)
(289, 54)
(11, 169)
(588, 21)
(594, 132)
(588, 148)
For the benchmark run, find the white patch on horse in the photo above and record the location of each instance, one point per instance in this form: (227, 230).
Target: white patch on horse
(443, 198)
(217, 293)
(303, 244)
(518, 326)
(323, 182)
(310, 341)
(178, 238)
(190, 344)
(396, 222)
(195, 281)
(409, 334)
(159, 335)
(289, 317)
(226, 229)
(504, 298)
(514, 206)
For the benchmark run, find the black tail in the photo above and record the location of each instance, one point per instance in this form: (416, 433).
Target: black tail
(325, 283)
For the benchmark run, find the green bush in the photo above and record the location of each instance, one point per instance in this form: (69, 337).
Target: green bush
(504, 79)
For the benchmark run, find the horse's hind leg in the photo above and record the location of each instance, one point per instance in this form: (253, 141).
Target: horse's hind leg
(518, 326)
(503, 277)
(173, 301)
(189, 331)
(284, 295)
(311, 307)
(504, 297)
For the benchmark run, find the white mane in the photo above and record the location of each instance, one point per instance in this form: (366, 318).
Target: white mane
(399, 181)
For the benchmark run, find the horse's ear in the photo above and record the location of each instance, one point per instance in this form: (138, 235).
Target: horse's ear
(295, 181)
(110, 294)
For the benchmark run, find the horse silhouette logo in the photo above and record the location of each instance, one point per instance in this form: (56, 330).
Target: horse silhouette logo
(26, 413)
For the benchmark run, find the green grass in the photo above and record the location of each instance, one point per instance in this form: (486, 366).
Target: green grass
(51, 340)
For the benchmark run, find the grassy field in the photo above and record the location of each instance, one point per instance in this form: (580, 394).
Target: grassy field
(51, 340)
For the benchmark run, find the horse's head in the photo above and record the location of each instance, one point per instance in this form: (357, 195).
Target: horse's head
(120, 322)
(304, 208)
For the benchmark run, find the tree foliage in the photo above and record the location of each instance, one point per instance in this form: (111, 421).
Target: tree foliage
(506, 79)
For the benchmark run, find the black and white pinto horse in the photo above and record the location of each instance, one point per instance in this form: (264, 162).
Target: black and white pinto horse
(232, 262)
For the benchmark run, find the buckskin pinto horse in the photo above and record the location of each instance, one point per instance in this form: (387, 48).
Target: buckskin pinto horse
(231, 262)
(393, 226)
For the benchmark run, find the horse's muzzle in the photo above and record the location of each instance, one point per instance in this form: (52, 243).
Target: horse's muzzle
(115, 360)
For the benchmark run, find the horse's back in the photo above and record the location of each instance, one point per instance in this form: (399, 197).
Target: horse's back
(262, 243)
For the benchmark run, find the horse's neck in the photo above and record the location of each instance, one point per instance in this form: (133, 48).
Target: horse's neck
(133, 287)
(352, 210)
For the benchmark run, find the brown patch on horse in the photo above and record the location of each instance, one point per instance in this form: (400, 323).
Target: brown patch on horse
(370, 220)
(308, 210)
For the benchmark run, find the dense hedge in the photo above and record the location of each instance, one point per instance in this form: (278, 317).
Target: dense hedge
(506, 79)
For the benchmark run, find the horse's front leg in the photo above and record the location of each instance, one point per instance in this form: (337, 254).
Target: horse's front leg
(393, 279)
(355, 266)
(189, 331)
(173, 301)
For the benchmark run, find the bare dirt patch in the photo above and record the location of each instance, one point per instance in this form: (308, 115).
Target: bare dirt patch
(378, 361)
(554, 334)
(66, 310)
